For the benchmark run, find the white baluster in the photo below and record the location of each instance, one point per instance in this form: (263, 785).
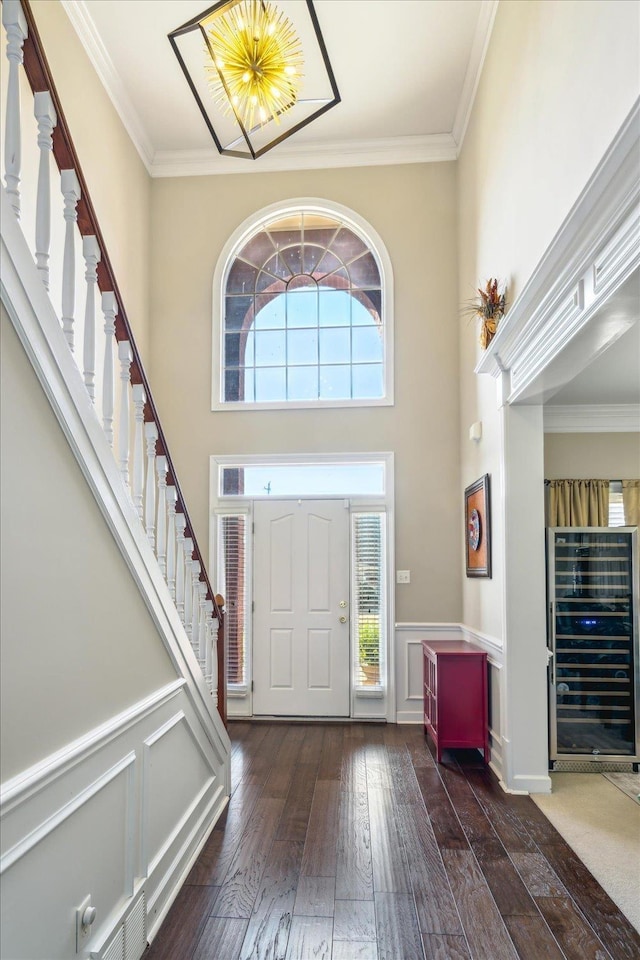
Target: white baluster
(208, 659)
(202, 625)
(46, 117)
(172, 496)
(180, 563)
(137, 485)
(215, 626)
(188, 588)
(151, 434)
(161, 531)
(91, 253)
(109, 309)
(71, 193)
(193, 628)
(15, 24)
(125, 356)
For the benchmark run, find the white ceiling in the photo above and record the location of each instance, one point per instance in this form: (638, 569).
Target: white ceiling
(406, 70)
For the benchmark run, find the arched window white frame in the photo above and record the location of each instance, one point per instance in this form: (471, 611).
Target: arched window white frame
(253, 330)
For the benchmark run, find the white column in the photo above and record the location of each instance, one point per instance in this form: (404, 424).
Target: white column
(188, 588)
(125, 356)
(151, 434)
(172, 496)
(180, 563)
(71, 193)
(46, 117)
(161, 531)
(15, 24)
(137, 483)
(109, 309)
(91, 253)
(519, 526)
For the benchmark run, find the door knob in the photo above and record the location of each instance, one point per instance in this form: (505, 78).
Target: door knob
(343, 619)
(343, 603)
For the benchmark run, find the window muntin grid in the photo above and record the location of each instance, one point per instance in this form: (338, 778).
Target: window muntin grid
(303, 315)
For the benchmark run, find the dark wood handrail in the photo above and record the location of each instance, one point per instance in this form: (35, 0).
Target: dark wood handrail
(41, 80)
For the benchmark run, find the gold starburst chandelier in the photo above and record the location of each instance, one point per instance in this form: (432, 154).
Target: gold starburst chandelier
(266, 72)
(256, 62)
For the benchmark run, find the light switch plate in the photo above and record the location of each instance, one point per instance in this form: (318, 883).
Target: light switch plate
(403, 576)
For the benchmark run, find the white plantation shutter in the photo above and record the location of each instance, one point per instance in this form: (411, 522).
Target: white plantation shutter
(232, 576)
(369, 598)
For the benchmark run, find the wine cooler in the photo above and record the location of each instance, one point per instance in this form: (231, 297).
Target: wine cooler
(593, 633)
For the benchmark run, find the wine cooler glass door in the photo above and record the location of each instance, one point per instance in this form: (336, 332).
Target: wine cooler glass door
(594, 604)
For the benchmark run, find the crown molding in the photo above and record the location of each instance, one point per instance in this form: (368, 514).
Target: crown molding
(592, 418)
(308, 156)
(82, 22)
(428, 148)
(479, 47)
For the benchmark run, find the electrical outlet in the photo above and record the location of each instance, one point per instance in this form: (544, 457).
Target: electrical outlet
(85, 917)
(403, 576)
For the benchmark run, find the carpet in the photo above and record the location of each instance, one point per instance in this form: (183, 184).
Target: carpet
(603, 827)
(629, 783)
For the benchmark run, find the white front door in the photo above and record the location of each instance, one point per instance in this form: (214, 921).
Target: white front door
(301, 615)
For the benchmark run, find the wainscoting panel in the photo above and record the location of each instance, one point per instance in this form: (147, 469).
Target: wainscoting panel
(137, 796)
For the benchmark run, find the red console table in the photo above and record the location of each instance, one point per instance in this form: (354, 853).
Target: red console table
(455, 695)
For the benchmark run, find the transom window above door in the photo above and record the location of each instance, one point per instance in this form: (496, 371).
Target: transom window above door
(305, 313)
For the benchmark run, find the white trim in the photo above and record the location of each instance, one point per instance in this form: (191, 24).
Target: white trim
(358, 503)
(429, 148)
(484, 28)
(47, 826)
(560, 297)
(41, 774)
(82, 22)
(208, 816)
(32, 314)
(525, 785)
(240, 235)
(592, 418)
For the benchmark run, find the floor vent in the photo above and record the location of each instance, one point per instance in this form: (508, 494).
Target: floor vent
(590, 766)
(129, 940)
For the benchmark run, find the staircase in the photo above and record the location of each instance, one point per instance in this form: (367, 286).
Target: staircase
(161, 763)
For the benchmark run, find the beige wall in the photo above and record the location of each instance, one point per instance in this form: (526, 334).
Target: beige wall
(413, 210)
(583, 456)
(118, 182)
(558, 81)
(75, 629)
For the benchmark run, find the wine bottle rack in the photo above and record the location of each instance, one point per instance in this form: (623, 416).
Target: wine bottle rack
(593, 630)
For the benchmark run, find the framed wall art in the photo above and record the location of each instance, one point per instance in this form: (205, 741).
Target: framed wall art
(477, 513)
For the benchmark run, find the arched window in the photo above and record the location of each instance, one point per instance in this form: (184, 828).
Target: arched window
(305, 295)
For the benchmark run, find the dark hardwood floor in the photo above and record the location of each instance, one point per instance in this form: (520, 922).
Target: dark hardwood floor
(349, 841)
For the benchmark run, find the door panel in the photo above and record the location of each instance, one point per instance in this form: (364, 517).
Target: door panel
(301, 575)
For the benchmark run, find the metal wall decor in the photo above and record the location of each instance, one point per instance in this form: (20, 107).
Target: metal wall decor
(477, 513)
(258, 71)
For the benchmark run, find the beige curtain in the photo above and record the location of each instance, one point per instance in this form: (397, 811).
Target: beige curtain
(631, 502)
(578, 503)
